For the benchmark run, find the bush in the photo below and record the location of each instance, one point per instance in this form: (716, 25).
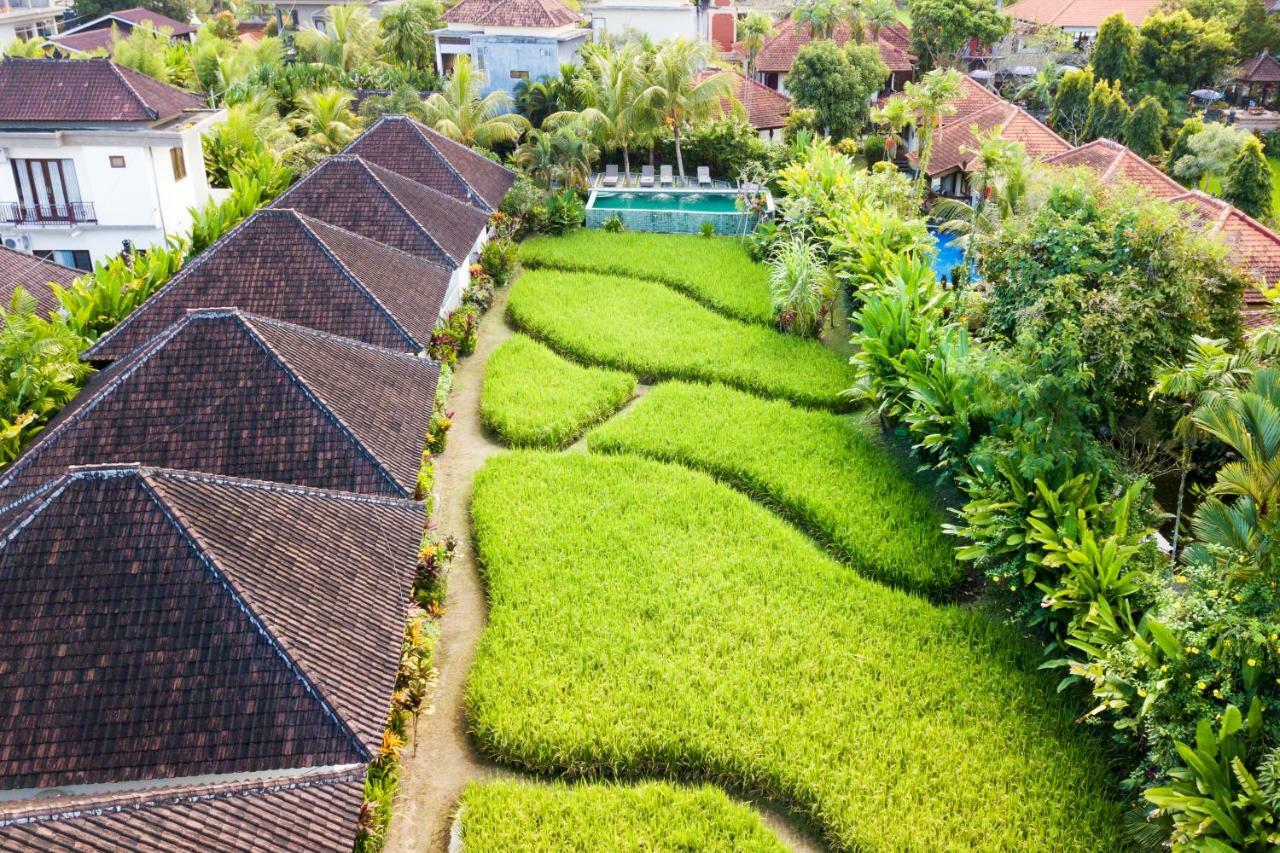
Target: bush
(507, 815)
(648, 330)
(826, 473)
(707, 228)
(534, 398)
(565, 211)
(455, 336)
(873, 148)
(498, 259)
(718, 273)
(645, 621)
(614, 224)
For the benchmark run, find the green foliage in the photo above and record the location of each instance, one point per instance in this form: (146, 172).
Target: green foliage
(98, 301)
(1144, 131)
(1115, 53)
(498, 259)
(406, 32)
(688, 617)
(257, 181)
(707, 229)
(678, 94)
(1182, 141)
(941, 29)
(455, 336)
(460, 112)
(824, 80)
(649, 330)
(716, 273)
(565, 212)
(614, 224)
(825, 472)
(1209, 153)
(726, 145)
(1070, 112)
(1108, 113)
(534, 398)
(87, 10)
(802, 289)
(1257, 32)
(1178, 49)
(1247, 183)
(560, 157)
(405, 102)
(654, 816)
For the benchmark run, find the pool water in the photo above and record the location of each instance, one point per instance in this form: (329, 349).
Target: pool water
(950, 255)
(691, 202)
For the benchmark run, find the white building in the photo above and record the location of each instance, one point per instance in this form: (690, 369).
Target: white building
(665, 19)
(92, 155)
(310, 14)
(509, 40)
(24, 19)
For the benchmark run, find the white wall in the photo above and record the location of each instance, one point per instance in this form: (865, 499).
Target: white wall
(657, 21)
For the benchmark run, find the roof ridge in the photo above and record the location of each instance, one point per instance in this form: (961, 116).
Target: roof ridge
(369, 169)
(137, 97)
(431, 143)
(318, 333)
(310, 221)
(177, 519)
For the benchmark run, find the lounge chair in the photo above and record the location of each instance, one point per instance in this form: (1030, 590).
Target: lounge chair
(704, 176)
(646, 176)
(665, 177)
(610, 176)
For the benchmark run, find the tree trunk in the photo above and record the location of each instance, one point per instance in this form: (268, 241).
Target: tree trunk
(675, 130)
(626, 163)
(1177, 515)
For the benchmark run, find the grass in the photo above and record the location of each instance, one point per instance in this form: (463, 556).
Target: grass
(714, 271)
(534, 398)
(823, 471)
(646, 621)
(524, 816)
(651, 331)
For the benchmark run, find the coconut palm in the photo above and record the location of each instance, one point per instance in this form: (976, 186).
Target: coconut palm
(325, 121)
(822, 16)
(1037, 93)
(879, 14)
(536, 157)
(406, 32)
(895, 117)
(349, 38)
(564, 154)
(611, 89)
(930, 100)
(753, 32)
(459, 112)
(677, 92)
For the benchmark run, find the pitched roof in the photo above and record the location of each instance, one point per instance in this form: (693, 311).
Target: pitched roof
(35, 275)
(374, 202)
(1263, 68)
(779, 53)
(245, 396)
(85, 90)
(767, 109)
(95, 34)
(161, 624)
(281, 264)
(512, 13)
(1113, 161)
(417, 152)
(307, 810)
(1084, 14)
(954, 144)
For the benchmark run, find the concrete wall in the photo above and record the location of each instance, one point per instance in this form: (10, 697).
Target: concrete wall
(658, 21)
(501, 55)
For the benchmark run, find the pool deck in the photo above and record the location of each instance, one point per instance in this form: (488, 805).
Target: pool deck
(689, 182)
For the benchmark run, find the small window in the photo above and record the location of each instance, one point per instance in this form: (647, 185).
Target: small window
(519, 75)
(179, 163)
(117, 161)
(76, 258)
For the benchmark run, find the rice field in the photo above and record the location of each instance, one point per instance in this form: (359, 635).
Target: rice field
(527, 817)
(715, 271)
(650, 331)
(646, 621)
(823, 471)
(534, 398)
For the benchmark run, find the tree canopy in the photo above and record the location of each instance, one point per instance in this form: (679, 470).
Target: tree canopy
(1115, 54)
(941, 29)
(838, 84)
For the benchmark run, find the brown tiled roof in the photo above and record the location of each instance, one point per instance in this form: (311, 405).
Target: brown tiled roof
(779, 53)
(377, 203)
(87, 41)
(1113, 161)
(421, 154)
(160, 624)
(245, 396)
(35, 275)
(954, 144)
(138, 15)
(768, 108)
(281, 264)
(512, 13)
(1080, 13)
(85, 90)
(1263, 68)
(96, 34)
(307, 810)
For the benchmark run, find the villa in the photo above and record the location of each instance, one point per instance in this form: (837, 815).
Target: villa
(28, 19)
(509, 40)
(98, 33)
(778, 55)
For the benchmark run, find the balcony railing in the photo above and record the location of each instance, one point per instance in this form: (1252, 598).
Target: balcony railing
(47, 215)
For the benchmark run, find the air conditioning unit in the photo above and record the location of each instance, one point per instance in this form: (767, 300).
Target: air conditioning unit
(21, 242)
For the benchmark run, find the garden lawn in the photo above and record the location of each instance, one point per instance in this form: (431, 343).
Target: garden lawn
(715, 271)
(534, 398)
(646, 329)
(823, 471)
(526, 816)
(646, 621)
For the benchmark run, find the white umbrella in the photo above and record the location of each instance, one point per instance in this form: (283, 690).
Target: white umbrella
(1207, 95)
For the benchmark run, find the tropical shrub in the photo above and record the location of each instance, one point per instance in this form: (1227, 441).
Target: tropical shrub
(99, 300)
(565, 211)
(455, 336)
(802, 289)
(498, 260)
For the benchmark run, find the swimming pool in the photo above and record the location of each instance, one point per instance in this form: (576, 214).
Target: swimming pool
(950, 254)
(675, 211)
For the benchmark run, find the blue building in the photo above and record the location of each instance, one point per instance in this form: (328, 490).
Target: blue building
(510, 40)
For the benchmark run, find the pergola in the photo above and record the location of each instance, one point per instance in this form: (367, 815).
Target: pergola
(1257, 80)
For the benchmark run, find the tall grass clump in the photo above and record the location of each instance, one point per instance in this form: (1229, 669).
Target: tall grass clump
(648, 330)
(534, 398)
(823, 471)
(646, 621)
(717, 272)
(515, 816)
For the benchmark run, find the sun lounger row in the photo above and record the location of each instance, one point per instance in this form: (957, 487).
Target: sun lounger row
(666, 176)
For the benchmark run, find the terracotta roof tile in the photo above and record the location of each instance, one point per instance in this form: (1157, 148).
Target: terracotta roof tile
(85, 90)
(779, 53)
(1113, 161)
(290, 267)
(35, 275)
(1263, 68)
(161, 624)
(954, 145)
(420, 154)
(245, 396)
(512, 13)
(1081, 13)
(374, 202)
(769, 108)
(307, 810)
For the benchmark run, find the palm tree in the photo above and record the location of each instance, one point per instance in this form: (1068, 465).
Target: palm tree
(536, 157)
(822, 16)
(1038, 91)
(349, 38)
(406, 32)
(929, 100)
(611, 89)
(999, 186)
(563, 154)
(878, 15)
(753, 32)
(895, 117)
(461, 114)
(325, 121)
(676, 91)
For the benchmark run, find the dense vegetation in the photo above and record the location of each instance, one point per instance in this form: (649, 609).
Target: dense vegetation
(655, 333)
(524, 816)
(534, 398)
(645, 620)
(824, 471)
